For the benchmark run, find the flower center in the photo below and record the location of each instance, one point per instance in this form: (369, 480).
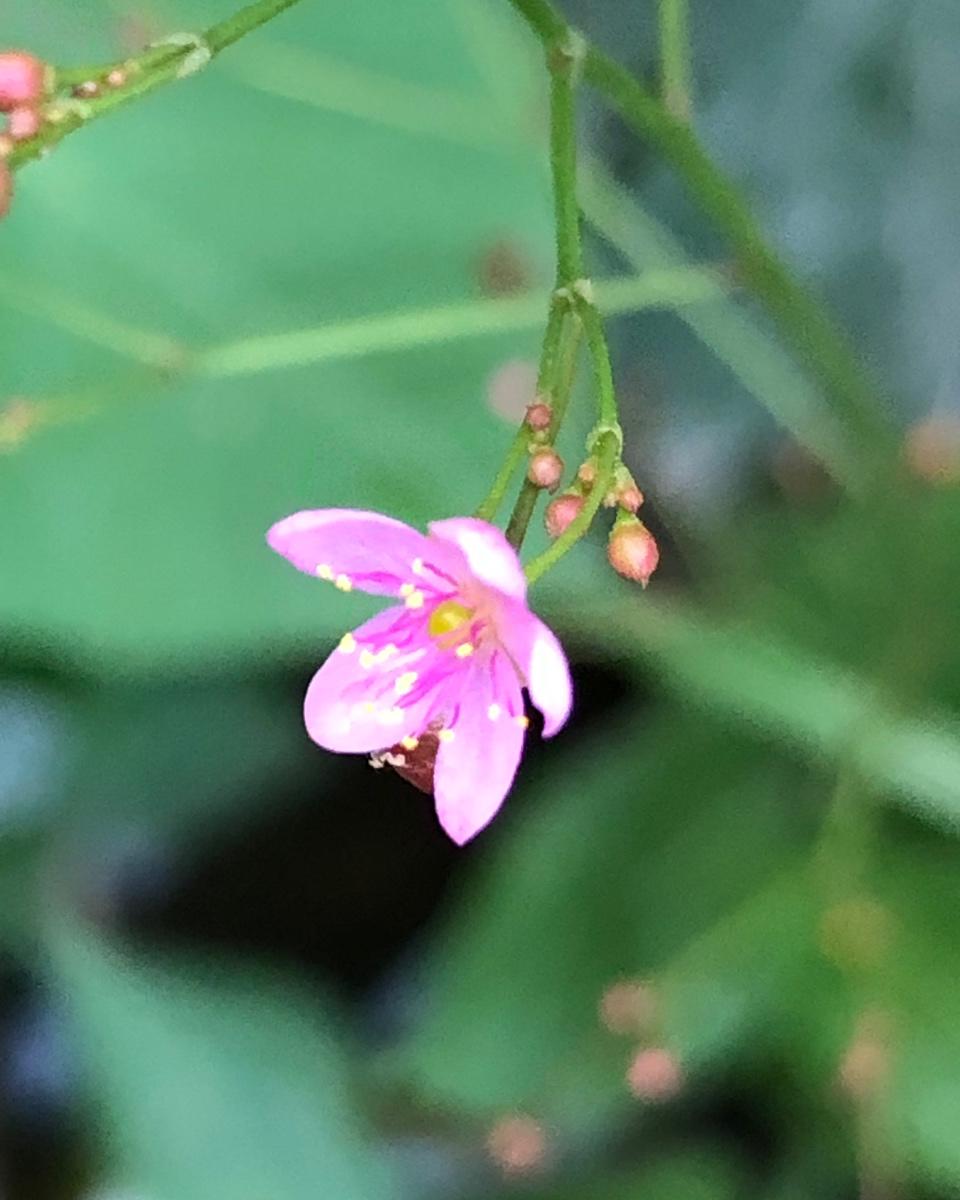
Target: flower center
(448, 617)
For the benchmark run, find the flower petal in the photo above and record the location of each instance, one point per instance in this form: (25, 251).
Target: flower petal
(475, 769)
(379, 686)
(489, 556)
(537, 652)
(353, 549)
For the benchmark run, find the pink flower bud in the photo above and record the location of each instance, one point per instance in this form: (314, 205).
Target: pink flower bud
(630, 497)
(587, 474)
(6, 188)
(545, 469)
(539, 416)
(561, 512)
(22, 79)
(632, 551)
(654, 1075)
(23, 123)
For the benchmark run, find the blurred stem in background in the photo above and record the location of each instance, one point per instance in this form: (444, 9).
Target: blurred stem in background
(179, 55)
(676, 70)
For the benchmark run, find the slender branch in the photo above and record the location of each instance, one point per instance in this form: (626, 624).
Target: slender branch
(802, 317)
(160, 64)
(526, 503)
(676, 70)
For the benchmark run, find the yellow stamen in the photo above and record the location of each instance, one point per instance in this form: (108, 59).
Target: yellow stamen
(404, 683)
(448, 617)
(343, 583)
(417, 566)
(523, 722)
(415, 599)
(493, 712)
(324, 571)
(410, 743)
(464, 650)
(348, 643)
(407, 589)
(446, 735)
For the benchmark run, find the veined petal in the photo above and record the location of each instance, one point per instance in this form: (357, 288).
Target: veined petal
(354, 549)
(476, 766)
(536, 650)
(489, 556)
(379, 686)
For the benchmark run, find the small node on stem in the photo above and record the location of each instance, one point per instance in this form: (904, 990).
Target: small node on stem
(632, 550)
(24, 123)
(561, 511)
(22, 79)
(117, 78)
(545, 469)
(539, 416)
(198, 56)
(88, 90)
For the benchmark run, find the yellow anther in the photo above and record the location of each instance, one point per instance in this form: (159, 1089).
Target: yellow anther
(387, 652)
(446, 735)
(407, 589)
(343, 583)
(448, 617)
(403, 684)
(368, 707)
(493, 712)
(348, 643)
(367, 659)
(523, 722)
(410, 743)
(415, 599)
(417, 566)
(325, 571)
(464, 650)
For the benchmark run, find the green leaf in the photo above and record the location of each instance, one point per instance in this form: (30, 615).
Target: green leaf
(213, 1086)
(136, 534)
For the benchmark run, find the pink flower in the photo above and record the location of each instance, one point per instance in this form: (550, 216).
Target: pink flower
(454, 654)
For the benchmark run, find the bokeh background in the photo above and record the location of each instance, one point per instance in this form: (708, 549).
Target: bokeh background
(710, 949)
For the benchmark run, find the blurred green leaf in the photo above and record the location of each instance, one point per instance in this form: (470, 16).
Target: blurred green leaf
(626, 861)
(695, 1173)
(212, 1085)
(138, 534)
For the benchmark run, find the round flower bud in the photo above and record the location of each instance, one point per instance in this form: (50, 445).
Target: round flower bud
(22, 79)
(630, 498)
(539, 416)
(561, 511)
(6, 187)
(23, 123)
(632, 551)
(545, 469)
(587, 473)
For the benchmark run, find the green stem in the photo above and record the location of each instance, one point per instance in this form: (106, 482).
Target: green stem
(156, 66)
(607, 454)
(802, 317)
(676, 70)
(529, 494)
(519, 448)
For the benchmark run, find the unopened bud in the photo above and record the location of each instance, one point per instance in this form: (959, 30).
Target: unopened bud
(88, 90)
(545, 469)
(6, 187)
(654, 1075)
(632, 551)
(24, 123)
(630, 498)
(22, 79)
(539, 416)
(587, 473)
(561, 511)
(117, 78)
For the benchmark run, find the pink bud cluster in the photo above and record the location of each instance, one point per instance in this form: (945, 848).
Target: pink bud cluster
(23, 85)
